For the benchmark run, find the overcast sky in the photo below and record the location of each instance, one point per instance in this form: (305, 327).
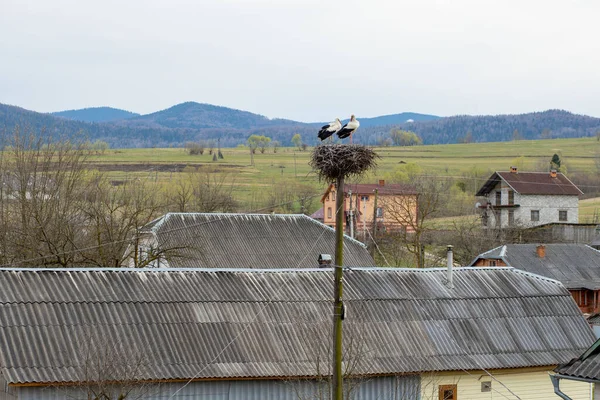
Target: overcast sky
(308, 60)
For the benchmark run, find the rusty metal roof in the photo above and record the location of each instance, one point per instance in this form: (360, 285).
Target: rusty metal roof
(530, 183)
(577, 266)
(221, 240)
(207, 323)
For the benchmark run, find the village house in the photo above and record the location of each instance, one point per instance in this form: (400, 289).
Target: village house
(577, 266)
(223, 334)
(585, 368)
(396, 207)
(223, 240)
(527, 199)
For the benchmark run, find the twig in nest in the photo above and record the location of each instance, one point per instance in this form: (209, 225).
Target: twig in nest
(333, 161)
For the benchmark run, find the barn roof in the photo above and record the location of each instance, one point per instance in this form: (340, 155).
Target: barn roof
(228, 324)
(220, 240)
(577, 266)
(531, 183)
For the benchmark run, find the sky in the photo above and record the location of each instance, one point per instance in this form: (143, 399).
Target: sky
(307, 60)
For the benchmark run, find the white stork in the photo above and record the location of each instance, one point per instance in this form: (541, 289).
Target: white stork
(349, 128)
(329, 129)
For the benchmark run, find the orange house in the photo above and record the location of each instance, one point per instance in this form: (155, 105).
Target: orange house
(396, 207)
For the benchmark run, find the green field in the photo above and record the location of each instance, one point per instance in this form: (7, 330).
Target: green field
(290, 165)
(579, 155)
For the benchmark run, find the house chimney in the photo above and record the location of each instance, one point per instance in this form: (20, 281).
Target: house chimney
(513, 170)
(552, 173)
(449, 263)
(381, 182)
(541, 251)
(324, 260)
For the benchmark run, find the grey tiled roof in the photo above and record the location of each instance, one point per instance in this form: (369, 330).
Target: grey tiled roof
(215, 240)
(575, 265)
(192, 323)
(587, 366)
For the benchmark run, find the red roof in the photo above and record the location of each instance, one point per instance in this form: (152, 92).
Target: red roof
(319, 214)
(369, 188)
(532, 183)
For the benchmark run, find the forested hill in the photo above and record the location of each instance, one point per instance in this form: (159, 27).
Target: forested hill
(499, 128)
(96, 114)
(396, 119)
(192, 115)
(185, 122)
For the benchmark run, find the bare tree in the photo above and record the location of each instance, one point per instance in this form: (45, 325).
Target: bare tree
(108, 368)
(414, 213)
(203, 191)
(194, 148)
(58, 213)
(113, 216)
(43, 182)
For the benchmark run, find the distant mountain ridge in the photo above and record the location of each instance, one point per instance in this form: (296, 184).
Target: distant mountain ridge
(191, 115)
(192, 121)
(96, 114)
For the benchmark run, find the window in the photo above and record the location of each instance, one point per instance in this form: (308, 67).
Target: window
(328, 212)
(364, 198)
(486, 386)
(511, 217)
(562, 215)
(498, 198)
(535, 215)
(379, 212)
(448, 392)
(511, 197)
(492, 263)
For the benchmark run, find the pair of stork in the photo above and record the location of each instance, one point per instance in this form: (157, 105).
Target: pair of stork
(336, 127)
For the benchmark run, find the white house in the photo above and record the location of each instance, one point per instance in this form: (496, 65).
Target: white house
(527, 199)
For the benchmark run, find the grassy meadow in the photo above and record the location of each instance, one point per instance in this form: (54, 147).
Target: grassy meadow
(290, 165)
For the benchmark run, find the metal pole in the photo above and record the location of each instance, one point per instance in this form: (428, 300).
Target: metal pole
(337, 381)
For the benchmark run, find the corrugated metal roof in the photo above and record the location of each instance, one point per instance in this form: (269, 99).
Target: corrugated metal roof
(250, 241)
(587, 366)
(532, 183)
(575, 265)
(264, 323)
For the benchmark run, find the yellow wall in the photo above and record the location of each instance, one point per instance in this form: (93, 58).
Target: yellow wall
(527, 383)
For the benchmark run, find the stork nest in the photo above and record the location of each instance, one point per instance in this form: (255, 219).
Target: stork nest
(333, 161)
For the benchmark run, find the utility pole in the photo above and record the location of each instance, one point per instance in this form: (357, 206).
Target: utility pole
(337, 381)
(295, 170)
(374, 225)
(350, 213)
